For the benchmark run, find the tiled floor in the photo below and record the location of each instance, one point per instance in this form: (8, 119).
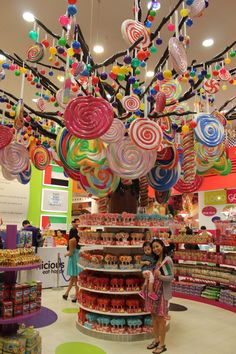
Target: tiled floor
(202, 329)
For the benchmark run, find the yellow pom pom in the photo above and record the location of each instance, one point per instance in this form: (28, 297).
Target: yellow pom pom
(184, 12)
(234, 83)
(167, 74)
(202, 90)
(53, 50)
(224, 87)
(12, 114)
(184, 79)
(227, 61)
(119, 96)
(31, 138)
(124, 70)
(115, 69)
(23, 70)
(50, 58)
(142, 105)
(185, 129)
(70, 52)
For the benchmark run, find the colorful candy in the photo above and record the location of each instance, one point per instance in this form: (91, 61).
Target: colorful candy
(163, 180)
(19, 117)
(211, 86)
(66, 89)
(88, 117)
(160, 102)
(224, 74)
(163, 197)
(172, 90)
(189, 187)
(24, 176)
(179, 108)
(221, 117)
(146, 134)
(40, 157)
(100, 181)
(35, 52)
(76, 176)
(132, 30)
(143, 191)
(208, 153)
(14, 158)
(167, 158)
(131, 103)
(114, 133)
(197, 8)
(6, 135)
(103, 204)
(209, 130)
(63, 144)
(59, 97)
(178, 55)
(222, 166)
(128, 161)
(166, 127)
(189, 164)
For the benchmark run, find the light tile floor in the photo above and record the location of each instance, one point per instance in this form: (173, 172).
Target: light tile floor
(203, 329)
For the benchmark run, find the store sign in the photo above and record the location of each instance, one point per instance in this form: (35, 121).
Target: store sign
(209, 211)
(231, 196)
(215, 197)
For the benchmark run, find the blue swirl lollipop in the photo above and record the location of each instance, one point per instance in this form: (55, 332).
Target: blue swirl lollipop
(209, 130)
(162, 180)
(24, 176)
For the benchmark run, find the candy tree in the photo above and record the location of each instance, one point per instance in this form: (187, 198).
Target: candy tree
(109, 130)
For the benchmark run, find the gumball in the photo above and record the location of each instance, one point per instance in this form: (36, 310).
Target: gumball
(184, 12)
(33, 35)
(64, 20)
(167, 74)
(115, 69)
(72, 10)
(17, 72)
(232, 54)
(171, 27)
(185, 129)
(153, 12)
(45, 42)
(189, 22)
(72, 2)
(135, 62)
(141, 55)
(70, 52)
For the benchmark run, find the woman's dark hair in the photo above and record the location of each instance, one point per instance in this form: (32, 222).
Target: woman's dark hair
(188, 230)
(147, 243)
(73, 234)
(165, 249)
(203, 228)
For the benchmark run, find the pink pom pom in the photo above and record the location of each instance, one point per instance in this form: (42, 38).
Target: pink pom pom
(171, 27)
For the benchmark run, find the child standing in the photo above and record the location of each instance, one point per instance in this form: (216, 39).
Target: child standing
(148, 263)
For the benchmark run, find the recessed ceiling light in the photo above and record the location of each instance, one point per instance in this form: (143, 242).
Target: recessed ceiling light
(155, 5)
(35, 100)
(150, 73)
(108, 96)
(208, 42)
(28, 16)
(98, 49)
(60, 78)
(2, 57)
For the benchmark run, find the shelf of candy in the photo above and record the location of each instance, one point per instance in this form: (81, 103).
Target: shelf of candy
(230, 258)
(115, 284)
(113, 239)
(131, 305)
(228, 297)
(198, 256)
(24, 239)
(19, 300)
(222, 275)
(188, 288)
(195, 239)
(115, 325)
(98, 259)
(25, 341)
(124, 219)
(225, 233)
(18, 257)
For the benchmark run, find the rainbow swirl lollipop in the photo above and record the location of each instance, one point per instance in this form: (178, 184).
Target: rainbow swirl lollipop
(100, 181)
(179, 108)
(163, 180)
(221, 166)
(207, 153)
(128, 161)
(35, 52)
(40, 157)
(24, 176)
(63, 144)
(162, 197)
(88, 117)
(86, 152)
(76, 176)
(59, 97)
(172, 90)
(166, 127)
(115, 132)
(209, 130)
(168, 157)
(14, 158)
(189, 187)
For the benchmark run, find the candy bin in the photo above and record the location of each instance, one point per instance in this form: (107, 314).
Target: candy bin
(118, 325)
(107, 238)
(136, 238)
(122, 238)
(147, 327)
(102, 283)
(103, 304)
(118, 305)
(6, 309)
(111, 261)
(134, 325)
(133, 284)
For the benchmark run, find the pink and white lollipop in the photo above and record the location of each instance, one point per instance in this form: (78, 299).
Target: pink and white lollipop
(146, 134)
(172, 90)
(14, 158)
(114, 133)
(59, 97)
(131, 103)
(178, 55)
(224, 74)
(211, 86)
(197, 8)
(40, 104)
(128, 161)
(160, 102)
(132, 30)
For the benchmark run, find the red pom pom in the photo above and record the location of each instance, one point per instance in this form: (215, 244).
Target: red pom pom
(150, 18)
(215, 72)
(147, 53)
(171, 27)
(141, 55)
(187, 74)
(45, 42)
(95, 80)
(75, 88)
(42, 72)
(192, 124)
(72, 2)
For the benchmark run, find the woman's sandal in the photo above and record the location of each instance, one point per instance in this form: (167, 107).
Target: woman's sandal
(65, 297)
(153, 345)
(160, 349)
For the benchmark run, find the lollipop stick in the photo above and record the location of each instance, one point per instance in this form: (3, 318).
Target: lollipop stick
(22, 85)
(176, 24)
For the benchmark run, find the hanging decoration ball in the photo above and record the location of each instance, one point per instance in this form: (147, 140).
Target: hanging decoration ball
(185, 129)
(227, 61)
(189, 22)
(208, 76)
(103, 76)
(62, 41)
(167, 74)
(231, 81)
(143, 64)
(64, 20)
(5, 66)
(189, 2)
(160, 76)
(158, 41)
(184, 12)
(23, 70)
(50, 73)
(135, 62)
(232, 54)
(17, 72)
(72, 2)
(141, 55)
(12, 67)
(131, 80)
(53, 50)
(70, 52)
(119, 96)
(95, 80)
(217, 67)
(127, 59)
(33, 35)
(171, 27)
(192, 124)
(60, 50)
(148, 53)
(72, 10)
(175, 126)
(181, 38)
(224, 87)
(153, 50)
(76, 45)
(115, 69)
(136, 84)
(192, 73)
(45, 42)
(215, 72)
(148, 24)
(124, 70)
(137, 71)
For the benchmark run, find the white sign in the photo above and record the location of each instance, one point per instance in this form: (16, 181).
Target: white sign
(48, 272)
(14, 200)
(54, 200)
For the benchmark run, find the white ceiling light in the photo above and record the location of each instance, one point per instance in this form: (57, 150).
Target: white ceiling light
(208, 42)
(98, 49)
(35, 100)
(28, 17)
(155, 5)
(60, 78)
(2, 57)
(150, 73)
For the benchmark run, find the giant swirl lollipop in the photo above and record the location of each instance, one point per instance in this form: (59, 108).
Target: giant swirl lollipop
(209, 130)
(132, 30)
(6, 135)
(162, 180)
(178, 55)
(172, 90)
(40, 157)
(146, 134)
(114, 133)
(14, 158)
(128, 161)
(88, 117)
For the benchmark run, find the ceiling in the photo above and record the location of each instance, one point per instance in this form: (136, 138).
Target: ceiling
(100, 21)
